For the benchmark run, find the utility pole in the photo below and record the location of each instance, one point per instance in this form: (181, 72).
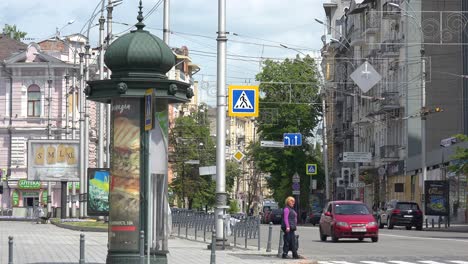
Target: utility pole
(221, 195)
(49, 134)
(86, 131)
(423, 126)
(73, 96)
(166, 30)
(82, 99)
(325, 147)
(110, 8)
(100, 146)
(67, 132)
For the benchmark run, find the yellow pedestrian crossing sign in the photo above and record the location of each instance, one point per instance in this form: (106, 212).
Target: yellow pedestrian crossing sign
(243, 100)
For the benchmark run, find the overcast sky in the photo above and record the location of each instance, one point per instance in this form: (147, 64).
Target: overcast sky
(260, 25)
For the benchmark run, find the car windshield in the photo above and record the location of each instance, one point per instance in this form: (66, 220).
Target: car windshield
(407, 206)
(351, 209)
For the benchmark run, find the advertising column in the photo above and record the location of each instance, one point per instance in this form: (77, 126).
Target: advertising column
(124, 215)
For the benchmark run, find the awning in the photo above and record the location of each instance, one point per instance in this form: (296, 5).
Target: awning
(358, 8)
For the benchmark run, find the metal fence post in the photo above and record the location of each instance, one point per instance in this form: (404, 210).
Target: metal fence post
(234, 231)
(270, 230)
(427, 223)
(245, 232)
(280, 244)
(224, 233)
(213, 247)
(258, 225)
(10, 250)
(432, 222)
(142, 247)
(204, 230)
(82, 248)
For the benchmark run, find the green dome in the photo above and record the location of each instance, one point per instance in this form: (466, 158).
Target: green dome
(139, 54)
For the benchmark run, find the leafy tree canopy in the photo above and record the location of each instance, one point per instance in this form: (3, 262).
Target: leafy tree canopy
(461, 154)
(11, 29)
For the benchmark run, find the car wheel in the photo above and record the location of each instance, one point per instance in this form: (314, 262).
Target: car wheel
(379, 221)
(375, 239)
(361, 239)
(322, 236)
(334, 238)
(408, 227)
(389, 224)
(419, 227)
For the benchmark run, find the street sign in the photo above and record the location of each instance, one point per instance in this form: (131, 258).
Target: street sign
(292, 139)
(272, 144)
(238, 156)
(311, 169)
(148, 109)
(357, 157)
(296, 192)
(365, 76)
(314, 184)
(296, 178)
(356, 185)
(243, 101)
(296, 186)
(207, 170)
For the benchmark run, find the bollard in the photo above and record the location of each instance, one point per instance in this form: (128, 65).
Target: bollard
(245, 236)
(280, 245)
(186, 229)
(204, 231)
(10, 250)
(438, 222)
(196, 227)
(142, 247)
(258, 224)
(432, 222)
(178, 231)
(234, 231)
(224, 234)
(270, 230)
(82, 248)
(213, 247)
(427, 223)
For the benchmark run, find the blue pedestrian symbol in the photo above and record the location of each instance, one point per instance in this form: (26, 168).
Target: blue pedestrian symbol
(311, 169)
(243, 101)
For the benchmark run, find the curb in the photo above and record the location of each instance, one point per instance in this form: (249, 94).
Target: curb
(79, 228)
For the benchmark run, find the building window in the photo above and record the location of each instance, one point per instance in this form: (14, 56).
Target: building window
(34, 100)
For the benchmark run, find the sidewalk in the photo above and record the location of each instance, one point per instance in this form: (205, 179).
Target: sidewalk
(189, 251)
(461, 228)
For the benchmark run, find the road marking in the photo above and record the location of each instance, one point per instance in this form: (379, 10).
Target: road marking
(400, 262)
(342, 262)
(324, 262)
(459, 262)
(373, 262)
(428, 238)
(430, 262)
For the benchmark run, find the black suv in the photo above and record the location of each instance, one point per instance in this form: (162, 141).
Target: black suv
(397, 213)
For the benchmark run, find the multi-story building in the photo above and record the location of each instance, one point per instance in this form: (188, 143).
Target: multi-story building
(389, 120)
(34, 88)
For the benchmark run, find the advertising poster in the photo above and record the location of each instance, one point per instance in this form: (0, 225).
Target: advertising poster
(53, 160)
(98, 191)
(124, 215)
(437, 198)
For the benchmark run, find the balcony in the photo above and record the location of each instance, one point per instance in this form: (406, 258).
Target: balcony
(391, 102)
(390, 153)
(391, 12)
(372, 22)
(390, 49)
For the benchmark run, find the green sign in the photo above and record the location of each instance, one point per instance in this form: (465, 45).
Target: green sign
(15, 198)
(30, 194)
(44, 197)
(29, 185)
(77, 185)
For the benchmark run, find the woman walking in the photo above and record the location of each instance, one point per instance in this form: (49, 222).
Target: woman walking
(288, 225)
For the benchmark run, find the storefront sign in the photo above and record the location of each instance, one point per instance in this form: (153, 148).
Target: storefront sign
(15, 198)
(124, 214)
(53, 160)
(30, 194)
(44, 197)
(70, 185)
(29, 185)
(98, 191)
(437, 198)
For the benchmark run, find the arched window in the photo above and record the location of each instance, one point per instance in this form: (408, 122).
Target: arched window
(34, 100)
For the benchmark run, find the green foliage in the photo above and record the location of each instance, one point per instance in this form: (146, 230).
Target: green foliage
(233, 207)
(190, 141)
(290, 89)
(11, 29)
(461, 154)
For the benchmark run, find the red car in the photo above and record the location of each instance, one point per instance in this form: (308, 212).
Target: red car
(348, 219)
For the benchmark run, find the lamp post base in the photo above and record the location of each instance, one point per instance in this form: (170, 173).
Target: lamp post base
(134, 258)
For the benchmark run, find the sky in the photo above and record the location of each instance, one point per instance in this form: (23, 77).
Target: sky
(256, 27)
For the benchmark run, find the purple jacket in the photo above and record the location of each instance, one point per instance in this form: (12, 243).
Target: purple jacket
(289, 218)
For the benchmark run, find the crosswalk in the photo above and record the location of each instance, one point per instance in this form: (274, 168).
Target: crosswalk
(395, 262)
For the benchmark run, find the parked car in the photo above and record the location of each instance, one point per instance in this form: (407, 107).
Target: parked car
(276, 215)
(398, 213)
(348, 219)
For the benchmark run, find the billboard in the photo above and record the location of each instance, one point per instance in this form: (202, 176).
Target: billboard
(53, 160)
(98, 191)
(436, 198)
(124, 214)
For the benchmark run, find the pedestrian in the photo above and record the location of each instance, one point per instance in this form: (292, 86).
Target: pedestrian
(288, 225)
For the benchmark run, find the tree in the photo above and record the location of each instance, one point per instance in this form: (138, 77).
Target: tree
(290, 103)
(192, 147)
(461, 155)
(12, 30)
